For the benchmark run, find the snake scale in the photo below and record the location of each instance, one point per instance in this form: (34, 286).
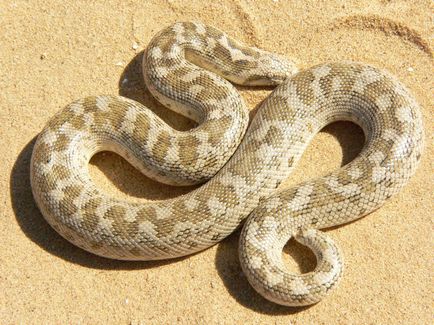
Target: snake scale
(187, 67)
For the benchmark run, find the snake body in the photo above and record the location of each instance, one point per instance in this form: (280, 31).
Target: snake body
(185, 67)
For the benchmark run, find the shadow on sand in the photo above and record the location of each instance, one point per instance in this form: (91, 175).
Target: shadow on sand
(131, 85)
(351, 140)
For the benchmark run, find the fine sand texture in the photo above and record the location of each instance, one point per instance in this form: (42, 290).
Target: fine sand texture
(53, 52)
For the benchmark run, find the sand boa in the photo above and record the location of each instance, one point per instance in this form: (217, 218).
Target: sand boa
(183, 68)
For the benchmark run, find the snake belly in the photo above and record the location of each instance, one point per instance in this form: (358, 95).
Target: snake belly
(185, 67)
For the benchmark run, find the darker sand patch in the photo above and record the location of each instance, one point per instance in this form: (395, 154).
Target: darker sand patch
(386, 26)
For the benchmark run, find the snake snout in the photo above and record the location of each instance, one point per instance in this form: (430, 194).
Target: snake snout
(278, 68)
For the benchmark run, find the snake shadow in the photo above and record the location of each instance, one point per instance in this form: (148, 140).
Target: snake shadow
(131, 85)
(29, 217)
(351, 139)
(34, 226)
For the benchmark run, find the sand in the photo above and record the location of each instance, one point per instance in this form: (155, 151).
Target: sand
(54, 52)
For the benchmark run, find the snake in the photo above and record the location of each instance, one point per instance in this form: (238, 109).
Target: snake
(191, 68)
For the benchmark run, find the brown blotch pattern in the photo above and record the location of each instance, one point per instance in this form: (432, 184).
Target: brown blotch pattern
(194, 221)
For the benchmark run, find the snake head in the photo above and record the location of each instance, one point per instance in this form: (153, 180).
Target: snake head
(272, 70)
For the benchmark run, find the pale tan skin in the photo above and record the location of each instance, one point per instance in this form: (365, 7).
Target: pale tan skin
(181, 68)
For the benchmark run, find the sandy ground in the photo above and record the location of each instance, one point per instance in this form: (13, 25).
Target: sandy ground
(54, 52)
